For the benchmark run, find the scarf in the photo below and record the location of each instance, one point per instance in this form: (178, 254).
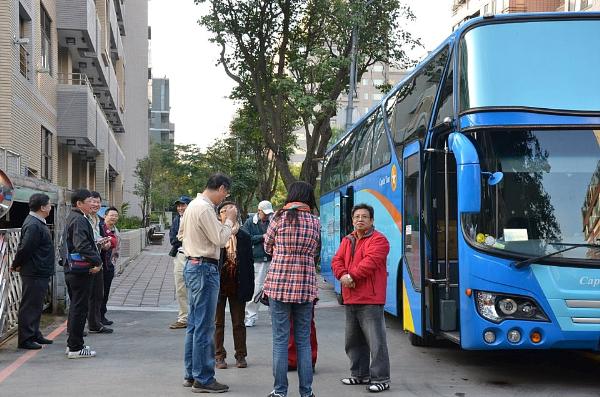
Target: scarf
(296, 205)
(231, 246)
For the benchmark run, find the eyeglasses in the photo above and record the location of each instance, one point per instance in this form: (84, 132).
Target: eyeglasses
(361, 217)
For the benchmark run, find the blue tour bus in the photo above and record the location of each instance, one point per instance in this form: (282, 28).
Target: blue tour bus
(483, 166)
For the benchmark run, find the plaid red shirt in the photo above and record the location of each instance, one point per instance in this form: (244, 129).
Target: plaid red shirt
(292, 277)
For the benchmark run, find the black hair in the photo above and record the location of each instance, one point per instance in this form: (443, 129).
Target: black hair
(37, 201)
(111, 209)
(217, 180)
(95, 194)
(298, 192)
(224, 203)
(80, 195)
(363, 206)
(302, 192)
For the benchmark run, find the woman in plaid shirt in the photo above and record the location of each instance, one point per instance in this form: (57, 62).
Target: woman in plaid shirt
(291, 284)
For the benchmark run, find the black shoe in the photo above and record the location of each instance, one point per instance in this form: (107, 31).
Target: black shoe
(30, 345)
(214, 387)
(102, 330)
(43, 341)
(106, 321)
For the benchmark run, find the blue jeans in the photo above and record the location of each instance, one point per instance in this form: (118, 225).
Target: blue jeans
(301, 314)
(202, 283)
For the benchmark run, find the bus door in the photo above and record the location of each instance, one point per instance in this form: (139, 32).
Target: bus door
(412, 250)
(343, 202)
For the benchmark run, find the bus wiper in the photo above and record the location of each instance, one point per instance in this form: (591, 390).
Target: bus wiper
(571, 246)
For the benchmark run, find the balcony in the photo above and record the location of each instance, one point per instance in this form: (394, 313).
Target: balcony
(116, 158)
(81, 122)
(77, 25)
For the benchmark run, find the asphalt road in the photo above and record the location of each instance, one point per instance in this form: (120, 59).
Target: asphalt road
(144, 357)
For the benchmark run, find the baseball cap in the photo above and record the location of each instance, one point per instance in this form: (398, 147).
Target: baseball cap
(266, 207)
(183, 200)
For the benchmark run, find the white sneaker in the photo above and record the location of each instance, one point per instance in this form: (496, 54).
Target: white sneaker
(249, 323)
(67, 349)
(86, 352)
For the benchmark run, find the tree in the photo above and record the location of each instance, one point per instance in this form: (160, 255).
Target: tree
(291, 60)
(144, 172)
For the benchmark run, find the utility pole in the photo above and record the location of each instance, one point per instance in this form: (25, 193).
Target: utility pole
(352, 85)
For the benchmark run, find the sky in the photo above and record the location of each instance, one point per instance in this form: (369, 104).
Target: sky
(180, 50)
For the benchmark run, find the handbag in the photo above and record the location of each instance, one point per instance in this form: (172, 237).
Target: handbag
(261, 297)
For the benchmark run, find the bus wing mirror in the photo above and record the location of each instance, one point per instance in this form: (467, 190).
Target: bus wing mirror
(468, 173)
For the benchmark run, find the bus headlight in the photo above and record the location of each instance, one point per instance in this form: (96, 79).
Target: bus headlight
(497, 307)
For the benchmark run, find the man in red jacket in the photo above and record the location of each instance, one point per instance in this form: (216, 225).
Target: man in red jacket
(360, 265)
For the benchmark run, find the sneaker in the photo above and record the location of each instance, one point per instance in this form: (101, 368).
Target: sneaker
(214, 387)
(188, 382)
(249, 323)
(178, 325)
(241, 362)
(275, 394)
(378, 387)
(355, 380)
(86, 352)
(220, 363)
(102, 330)
(67, 349)
(30, 345)
(106, 321)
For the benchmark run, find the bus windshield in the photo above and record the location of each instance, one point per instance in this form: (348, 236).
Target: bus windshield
(550, 193)
(537, 64)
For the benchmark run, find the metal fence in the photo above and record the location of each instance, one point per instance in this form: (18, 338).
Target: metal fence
(10, 283)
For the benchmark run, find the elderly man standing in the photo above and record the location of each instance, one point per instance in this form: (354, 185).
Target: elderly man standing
(203, 236)
(35, 261)
(360, 265)
(178, 264)
(256, 227)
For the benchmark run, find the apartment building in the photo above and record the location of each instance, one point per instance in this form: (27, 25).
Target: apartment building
(64, 100)
(370, 90)
(161, 130)
(463, 10)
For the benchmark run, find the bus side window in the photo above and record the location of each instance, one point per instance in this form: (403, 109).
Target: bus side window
(381, 147)
(362, 159)
(445, 102)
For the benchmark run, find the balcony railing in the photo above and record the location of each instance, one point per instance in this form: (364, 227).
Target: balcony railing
(73, 79)
(24, 61)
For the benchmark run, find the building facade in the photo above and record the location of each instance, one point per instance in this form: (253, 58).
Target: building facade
(161, 130)
(463, 10)
(65, 95)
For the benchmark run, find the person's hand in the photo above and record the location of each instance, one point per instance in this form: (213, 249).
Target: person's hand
(347, 281)
(95, 269)
(232, 213)
(106, 245)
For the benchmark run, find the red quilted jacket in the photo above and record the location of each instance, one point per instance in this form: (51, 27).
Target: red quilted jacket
(365, 260)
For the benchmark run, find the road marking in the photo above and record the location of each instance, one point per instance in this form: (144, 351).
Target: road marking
(8, 371)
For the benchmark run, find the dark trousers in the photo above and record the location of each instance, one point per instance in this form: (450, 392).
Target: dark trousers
(366, 344)
(108, 278)
(96, 298)
(34, 291)
(79, 285)
(237, 310)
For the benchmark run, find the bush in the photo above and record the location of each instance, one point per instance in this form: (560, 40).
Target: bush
(129, 222)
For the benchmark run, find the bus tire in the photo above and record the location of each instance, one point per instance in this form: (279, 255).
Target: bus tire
(340, 298)
(421, 341)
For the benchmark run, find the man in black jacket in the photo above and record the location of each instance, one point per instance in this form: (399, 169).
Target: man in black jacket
(178, 264)
(83, 261)
(35, 261)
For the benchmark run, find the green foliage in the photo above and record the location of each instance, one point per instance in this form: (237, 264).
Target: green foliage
(291, 61)
(129, 222)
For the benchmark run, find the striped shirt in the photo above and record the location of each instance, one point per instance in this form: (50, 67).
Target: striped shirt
(292, 277)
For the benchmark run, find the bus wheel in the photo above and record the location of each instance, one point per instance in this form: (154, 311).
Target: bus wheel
(421, 341)
(340, 298)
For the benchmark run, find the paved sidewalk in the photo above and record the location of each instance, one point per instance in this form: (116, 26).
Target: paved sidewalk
(147, 280)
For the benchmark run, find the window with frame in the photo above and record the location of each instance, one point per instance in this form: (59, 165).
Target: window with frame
(46, 42)
(381, 147)
(46, 154)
